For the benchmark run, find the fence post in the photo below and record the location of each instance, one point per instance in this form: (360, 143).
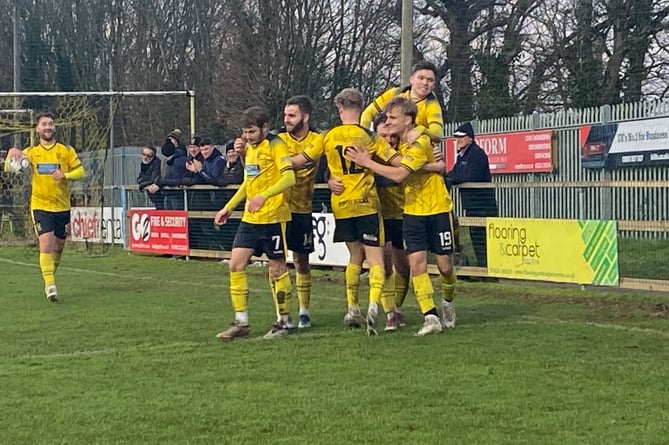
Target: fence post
(606, 193)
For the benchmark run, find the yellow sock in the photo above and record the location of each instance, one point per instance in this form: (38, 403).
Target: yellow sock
(239, 291)
(272, 286)
(56, 260)
(48, 269)
(388, 294)
(284, 290)
(376, 278)
(448, 285)
(401, 288)
(303, 285)
(352, 280)
(424, 291)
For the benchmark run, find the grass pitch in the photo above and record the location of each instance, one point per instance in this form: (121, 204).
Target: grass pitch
(129, 356)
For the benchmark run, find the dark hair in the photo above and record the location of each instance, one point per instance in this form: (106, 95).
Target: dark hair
(254, 116)
(378, 120)
(302, 102)
(46, 114)
(150, 147)
(407, 106)
(424, 65)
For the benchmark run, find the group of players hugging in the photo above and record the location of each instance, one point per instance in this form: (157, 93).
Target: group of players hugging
(389, 200)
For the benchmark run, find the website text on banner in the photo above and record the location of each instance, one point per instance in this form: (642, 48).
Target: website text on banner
(625, 144)
(564, 251)
(159, 231)
(520, 152)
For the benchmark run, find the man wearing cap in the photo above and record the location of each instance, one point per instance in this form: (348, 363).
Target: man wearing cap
(472, 166)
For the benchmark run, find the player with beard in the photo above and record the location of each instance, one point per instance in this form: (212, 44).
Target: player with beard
(300, 234)
(53, 166)
(268, 175)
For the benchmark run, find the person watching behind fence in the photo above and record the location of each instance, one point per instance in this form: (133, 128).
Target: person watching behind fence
(149, 172)
(175, 163)
(472, 166)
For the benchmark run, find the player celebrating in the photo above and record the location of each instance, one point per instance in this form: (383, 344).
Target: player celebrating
(356, 205)
(427, 207)
(268, 174)
(53, 166)
(396, 266)
(300, 234)
(421, 91)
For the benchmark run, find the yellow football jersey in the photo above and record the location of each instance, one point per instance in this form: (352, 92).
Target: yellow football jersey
(425, 193)
(429, 111)
(302, 193)
(264, 164)
(392, 201)
(359, 197)
(47, 194)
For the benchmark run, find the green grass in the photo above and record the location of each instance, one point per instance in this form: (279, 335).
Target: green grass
(129, 356)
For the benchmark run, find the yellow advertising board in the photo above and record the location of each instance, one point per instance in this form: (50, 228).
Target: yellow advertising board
(565, 251)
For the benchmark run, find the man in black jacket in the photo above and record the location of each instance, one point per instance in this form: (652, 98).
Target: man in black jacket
(233, 170)
(472, 166)
(174, 171)
(149, 172)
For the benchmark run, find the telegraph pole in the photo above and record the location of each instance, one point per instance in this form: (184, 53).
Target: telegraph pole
(406, 40)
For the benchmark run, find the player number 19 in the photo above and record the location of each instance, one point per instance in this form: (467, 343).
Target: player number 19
(445, 238)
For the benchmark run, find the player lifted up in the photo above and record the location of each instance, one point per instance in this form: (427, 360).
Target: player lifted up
(427, 221)
(53, 166)
(268, 174)
(421, 91)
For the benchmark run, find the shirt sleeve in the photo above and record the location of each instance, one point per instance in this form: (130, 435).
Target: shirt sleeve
(376, 107)
(381, 149)
(435, 121)
(281, 155)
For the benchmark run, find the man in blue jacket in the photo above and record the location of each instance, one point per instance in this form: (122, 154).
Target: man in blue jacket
(472, 166)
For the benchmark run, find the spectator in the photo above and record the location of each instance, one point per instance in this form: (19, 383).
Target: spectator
(194, 148)
(472, 166)
(208, 166)
(233, 170)
(174, 171)
(205, 168)
(149, 173)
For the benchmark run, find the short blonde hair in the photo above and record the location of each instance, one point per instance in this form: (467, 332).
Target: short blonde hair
(407, 107)
(350, 98)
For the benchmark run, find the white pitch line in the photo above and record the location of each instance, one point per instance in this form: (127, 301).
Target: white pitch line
(319, 335)
(611, 326)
